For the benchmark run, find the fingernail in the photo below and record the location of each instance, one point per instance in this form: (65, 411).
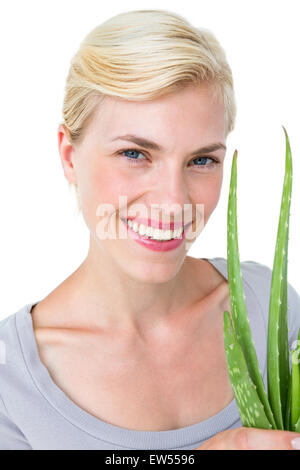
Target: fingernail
(296, 443)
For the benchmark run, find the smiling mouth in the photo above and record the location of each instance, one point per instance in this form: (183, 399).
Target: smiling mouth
(152, 233)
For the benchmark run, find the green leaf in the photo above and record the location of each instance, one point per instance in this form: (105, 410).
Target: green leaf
(283, 344)
(287, 425)
(237, 297)
(250, 407)
(295, 399)
(295, 359)
(277, 355)
(297, 426)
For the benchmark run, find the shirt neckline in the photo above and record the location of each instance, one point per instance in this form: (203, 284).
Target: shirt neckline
(120, 436)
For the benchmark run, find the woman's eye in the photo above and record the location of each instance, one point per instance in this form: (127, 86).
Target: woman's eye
(199, 159)
(132, 155)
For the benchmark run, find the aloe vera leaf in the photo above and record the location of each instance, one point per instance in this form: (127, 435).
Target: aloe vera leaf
(284, 367)
(276, 355)
(295, 400)
(250, 407)
(287, 424)
(240, 319)
(283, 327)
(297, 426)
(295, 395)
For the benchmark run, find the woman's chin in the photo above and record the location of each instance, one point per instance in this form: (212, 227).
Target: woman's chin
(156, 273)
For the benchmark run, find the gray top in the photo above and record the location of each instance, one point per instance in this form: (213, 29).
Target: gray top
(35, 414)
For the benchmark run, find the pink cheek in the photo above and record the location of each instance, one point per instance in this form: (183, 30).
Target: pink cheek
(108, 187)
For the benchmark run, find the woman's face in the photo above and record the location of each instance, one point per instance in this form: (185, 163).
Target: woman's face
(170, 181)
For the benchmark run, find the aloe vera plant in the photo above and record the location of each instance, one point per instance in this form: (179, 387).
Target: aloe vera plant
(280, 408)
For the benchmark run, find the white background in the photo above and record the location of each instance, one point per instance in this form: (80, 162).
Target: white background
(43, 240)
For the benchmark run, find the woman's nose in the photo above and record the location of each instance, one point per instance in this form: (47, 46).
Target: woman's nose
(170, 190)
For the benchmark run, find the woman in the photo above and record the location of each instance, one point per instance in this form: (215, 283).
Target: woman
(128, 352)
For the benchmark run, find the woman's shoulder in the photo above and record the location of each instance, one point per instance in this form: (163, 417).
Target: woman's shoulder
(11, 358)
(255, 276)
(17, 353)
(9, 322)
(8, 334)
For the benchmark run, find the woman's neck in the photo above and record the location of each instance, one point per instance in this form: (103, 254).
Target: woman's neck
(112, 298)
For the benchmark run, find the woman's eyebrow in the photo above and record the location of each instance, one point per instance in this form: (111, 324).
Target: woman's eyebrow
(154, 146)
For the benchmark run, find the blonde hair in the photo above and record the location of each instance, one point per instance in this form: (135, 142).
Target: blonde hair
(142, 55)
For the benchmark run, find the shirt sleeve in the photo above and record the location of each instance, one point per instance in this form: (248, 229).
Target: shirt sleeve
(11, 437)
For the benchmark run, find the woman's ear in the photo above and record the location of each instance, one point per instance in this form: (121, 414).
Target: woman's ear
(66, 152)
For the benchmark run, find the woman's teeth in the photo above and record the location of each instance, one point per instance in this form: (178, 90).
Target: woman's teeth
(155, 233)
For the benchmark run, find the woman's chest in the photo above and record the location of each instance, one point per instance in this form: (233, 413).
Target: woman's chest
(166, 389)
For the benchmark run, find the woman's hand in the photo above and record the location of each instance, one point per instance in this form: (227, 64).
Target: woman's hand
(250, 439)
